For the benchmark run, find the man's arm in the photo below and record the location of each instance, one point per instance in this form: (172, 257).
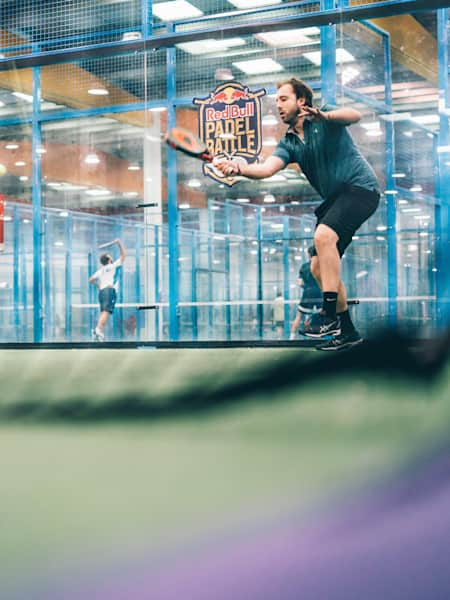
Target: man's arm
(269, 167)
(122, 250)
(93, 278)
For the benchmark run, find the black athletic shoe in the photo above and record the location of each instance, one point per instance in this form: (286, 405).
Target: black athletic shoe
(321, 326)
(344, 341)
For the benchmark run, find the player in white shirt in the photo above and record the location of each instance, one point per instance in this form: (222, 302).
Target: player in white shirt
(107, 281)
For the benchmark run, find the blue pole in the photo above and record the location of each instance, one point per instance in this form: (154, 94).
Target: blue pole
(172, 210)
(194, 311)
(210, 276)
(286, 290)
(68, 274)
(16, 246)
(442, 212)
(48, 322)
(23, 286)
(36, 205)
(259, 275)
(156, 280)
(391, 211)
(227, 273)
(137, 279)
(147, 18)
(328, 63)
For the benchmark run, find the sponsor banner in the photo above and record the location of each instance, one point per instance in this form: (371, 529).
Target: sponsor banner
(230, 126)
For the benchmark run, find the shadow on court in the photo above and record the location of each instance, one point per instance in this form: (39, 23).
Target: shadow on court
(72, 393)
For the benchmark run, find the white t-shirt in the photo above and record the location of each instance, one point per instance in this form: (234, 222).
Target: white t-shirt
(108, 275)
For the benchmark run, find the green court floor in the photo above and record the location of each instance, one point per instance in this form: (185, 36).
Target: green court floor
(86, 484)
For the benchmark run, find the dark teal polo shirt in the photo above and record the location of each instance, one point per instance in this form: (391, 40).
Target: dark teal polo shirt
(328, 157)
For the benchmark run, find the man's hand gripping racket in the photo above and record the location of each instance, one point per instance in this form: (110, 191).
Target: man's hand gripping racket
(185, 141)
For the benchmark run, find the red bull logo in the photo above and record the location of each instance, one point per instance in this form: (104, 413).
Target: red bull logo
(230, 125)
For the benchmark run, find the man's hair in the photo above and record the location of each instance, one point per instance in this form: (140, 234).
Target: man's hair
(105, 259)
(301, 89)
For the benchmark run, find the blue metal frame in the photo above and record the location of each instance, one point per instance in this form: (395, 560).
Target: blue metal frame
(194, 310)
(37, 203)
(328, 62)
(259, 275)
(442, 211)
(172, 208)
(16, 272)
(68, 276)
(286, 288)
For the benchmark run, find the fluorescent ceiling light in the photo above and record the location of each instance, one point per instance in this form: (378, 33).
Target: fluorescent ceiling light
(426, 119)
(399, 175)
(342, 56)
(292, 37)
(98, 92)
(210, 45)
(411, 210)
(374, 133)
(253, 3)
(243, 200)
(371, 125)
(92, 159)
(23, 96)
(96, 192)
(64, 213)
(184, 205)
(11, 146)
(443, 149)
(269, 199)
(20, 163)
(23, 178)
(194, 183)
(394, 117)
(134, 168)
(349, 74)
(157, 109)
(259, 65)
(175, 10)
(416, 188)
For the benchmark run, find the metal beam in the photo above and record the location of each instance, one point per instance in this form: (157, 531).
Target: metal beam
(327, 17)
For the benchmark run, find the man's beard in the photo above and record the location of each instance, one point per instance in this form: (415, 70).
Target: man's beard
(291, 119)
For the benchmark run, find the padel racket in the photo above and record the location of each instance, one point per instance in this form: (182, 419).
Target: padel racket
(185, 141)
(106, 244)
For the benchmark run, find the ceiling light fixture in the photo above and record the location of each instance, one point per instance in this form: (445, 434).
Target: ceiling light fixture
(258, 66)
(175, 9)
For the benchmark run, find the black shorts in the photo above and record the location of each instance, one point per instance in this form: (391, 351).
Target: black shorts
(107, 299)
(345, 213)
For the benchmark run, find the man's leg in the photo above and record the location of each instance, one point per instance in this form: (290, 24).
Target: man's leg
(295, 325)
(104, 315)
(326, 268)
(349, 336)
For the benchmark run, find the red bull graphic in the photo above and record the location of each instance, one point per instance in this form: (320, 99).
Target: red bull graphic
(230, 126)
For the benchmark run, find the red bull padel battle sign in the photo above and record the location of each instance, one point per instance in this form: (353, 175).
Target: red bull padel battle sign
(230, 125)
